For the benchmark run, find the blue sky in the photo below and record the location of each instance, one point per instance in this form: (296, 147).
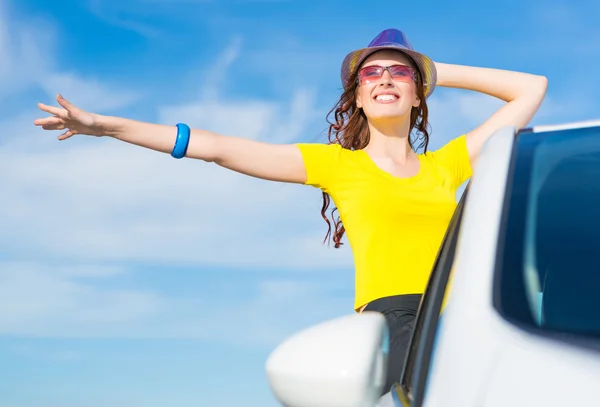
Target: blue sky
(130, 279)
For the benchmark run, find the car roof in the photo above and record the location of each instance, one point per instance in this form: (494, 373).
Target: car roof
(563, 126)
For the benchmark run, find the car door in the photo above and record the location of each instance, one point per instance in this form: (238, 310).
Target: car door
(411, 389)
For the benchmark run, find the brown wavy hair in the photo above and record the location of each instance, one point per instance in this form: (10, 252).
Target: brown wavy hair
(350, 129)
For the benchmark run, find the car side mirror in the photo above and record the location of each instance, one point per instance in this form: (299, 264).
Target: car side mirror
(338, 363)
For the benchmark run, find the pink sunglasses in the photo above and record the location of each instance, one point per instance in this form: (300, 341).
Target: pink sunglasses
(373, 73)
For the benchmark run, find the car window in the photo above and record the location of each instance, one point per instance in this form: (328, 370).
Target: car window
(414, 380)
(549, 268)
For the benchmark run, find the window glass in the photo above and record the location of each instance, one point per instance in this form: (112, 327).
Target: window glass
(549, 274)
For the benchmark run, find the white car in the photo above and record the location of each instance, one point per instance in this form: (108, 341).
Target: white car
(511, 314)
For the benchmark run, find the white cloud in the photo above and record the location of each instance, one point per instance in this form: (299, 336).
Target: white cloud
(252, 119)
(48, 301)
(105, 200)
(121, 14)
(108, 201)
(24, 51)
(35, 353)
(38, 299)
(217, 74)
(249, 119)
(27, 61)
(96, 96)
(574, 22)
(454, 112)
(255, 119)
(302, 110)
(138, 16)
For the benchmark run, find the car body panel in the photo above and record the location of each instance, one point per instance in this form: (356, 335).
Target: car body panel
(537, 371)
(467, 344)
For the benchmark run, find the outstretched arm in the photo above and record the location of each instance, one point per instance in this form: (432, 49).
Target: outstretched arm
(275, 162)
(523, 93)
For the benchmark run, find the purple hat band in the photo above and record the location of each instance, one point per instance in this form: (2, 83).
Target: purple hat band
(395, 40)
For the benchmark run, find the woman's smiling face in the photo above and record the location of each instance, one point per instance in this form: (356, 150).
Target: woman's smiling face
(381, 95)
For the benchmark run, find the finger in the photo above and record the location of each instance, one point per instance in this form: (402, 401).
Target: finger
(65, 135)
(57, 111)
(47, 121)
(65, 103)
(58, 126)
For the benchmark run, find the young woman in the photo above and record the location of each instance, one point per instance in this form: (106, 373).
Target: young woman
(394, 204)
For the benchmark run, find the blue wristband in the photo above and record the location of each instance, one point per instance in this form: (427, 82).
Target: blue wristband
(182, 141)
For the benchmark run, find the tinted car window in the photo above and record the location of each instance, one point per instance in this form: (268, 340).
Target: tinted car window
(549, 271)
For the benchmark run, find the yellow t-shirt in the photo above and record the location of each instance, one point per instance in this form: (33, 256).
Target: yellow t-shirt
(394, 225)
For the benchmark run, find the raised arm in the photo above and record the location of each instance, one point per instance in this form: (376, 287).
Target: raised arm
(275, 162)
(523, 93)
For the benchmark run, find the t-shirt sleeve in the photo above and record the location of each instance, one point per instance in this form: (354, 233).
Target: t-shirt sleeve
(454, 159)
(321, 163)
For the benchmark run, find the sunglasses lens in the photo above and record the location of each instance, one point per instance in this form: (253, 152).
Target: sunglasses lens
(402, 73)
(369, 74)
(373, 73)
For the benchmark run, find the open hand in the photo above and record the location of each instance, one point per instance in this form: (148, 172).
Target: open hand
(69, 118)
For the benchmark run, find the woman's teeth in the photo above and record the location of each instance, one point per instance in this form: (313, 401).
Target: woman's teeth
(385, 97)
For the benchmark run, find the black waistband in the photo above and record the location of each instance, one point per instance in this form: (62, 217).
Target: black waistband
(405, 301)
